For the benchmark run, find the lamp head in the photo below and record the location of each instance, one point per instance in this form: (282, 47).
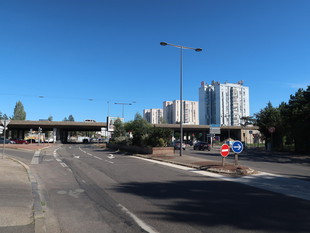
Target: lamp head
(198, 50)
(163, 43)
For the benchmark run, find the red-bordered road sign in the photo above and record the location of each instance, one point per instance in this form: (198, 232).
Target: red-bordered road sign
(225, 150)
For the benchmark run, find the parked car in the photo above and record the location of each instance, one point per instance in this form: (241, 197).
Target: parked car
(49, 140)
(177, 145)
(202, 146)
(19, 141)
(7, 141)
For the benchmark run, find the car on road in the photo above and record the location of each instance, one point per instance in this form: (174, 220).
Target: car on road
(177, 145)
(202, 146)
(19, 141)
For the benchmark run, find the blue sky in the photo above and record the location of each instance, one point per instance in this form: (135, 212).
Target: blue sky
(81, 54)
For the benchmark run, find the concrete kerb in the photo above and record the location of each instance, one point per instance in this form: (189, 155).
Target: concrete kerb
(38, 214)
(220, 170)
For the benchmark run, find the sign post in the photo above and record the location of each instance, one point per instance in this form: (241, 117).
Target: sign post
(224, 152)
(237, 148)
(5, 124)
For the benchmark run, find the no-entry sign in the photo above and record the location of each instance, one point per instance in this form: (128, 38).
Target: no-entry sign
(225, 150)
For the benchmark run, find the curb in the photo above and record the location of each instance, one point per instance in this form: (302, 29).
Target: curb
(38, 214)
(247, 171)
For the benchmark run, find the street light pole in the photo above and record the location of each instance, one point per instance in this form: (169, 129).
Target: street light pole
(181, 87)
(123, 104)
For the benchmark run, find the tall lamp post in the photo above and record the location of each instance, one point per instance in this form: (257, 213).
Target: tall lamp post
(123, 104)
(181, 86)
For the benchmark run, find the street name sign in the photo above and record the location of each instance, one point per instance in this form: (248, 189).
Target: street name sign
(224, 150)
(215, 130)
(237, 147)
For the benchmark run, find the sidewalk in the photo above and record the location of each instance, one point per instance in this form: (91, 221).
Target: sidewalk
(20, 205)
(30, 146)
(16, 200)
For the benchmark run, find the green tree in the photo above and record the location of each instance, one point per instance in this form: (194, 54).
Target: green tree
(119, 134)
(19, 112)
(267, 118)
(119, 129)
(139, 128)
(159, 137)
(50, 118)
(70, 118)
(297, 118)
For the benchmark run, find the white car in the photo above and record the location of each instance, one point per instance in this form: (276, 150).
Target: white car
(49, 140)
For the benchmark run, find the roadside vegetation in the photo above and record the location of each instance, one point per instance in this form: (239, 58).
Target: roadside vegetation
(287, 126)
(140, 133)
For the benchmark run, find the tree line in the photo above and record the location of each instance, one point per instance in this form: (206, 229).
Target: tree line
(20, 114)
(288, 124)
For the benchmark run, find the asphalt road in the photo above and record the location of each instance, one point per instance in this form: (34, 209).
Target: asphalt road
(87, 189)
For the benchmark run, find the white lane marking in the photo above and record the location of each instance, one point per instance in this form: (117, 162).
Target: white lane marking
(63, 164)
(142, 224)
(98, 157)
(111, 156)
(108, 161)
(267, 181)
(60, 161)
(36, 158)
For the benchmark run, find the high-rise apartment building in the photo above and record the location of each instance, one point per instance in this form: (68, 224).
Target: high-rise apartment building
(223, 103)
(172, 112)
(153, 116)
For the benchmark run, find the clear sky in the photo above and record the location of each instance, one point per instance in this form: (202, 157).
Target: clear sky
(73, 57)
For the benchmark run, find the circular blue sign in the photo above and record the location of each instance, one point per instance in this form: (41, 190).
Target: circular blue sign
(237, 147)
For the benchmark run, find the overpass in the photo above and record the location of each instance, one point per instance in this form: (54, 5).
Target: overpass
(18, 128)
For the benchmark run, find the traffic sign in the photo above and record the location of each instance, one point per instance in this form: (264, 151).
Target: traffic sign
(237, 147)
(224, 150)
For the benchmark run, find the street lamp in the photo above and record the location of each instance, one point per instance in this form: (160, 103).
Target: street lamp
(123, 104)
(181, 86)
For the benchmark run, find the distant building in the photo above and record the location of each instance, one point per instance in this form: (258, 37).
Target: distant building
(223, 103)
(153, 116)
(172, 112)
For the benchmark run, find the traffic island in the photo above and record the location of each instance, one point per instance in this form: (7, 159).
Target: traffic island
(228, 169)
(202, 164)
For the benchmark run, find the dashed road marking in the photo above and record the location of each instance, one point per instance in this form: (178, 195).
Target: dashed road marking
(108, 161)
(98, 157)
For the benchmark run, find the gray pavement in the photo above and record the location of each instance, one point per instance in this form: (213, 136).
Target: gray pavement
(16, 200)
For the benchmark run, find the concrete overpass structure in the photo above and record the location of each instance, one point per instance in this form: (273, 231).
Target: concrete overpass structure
(62, 128)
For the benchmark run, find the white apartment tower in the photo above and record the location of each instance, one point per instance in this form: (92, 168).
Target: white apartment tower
(223, 103)
(172, 112)
(153, 116)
